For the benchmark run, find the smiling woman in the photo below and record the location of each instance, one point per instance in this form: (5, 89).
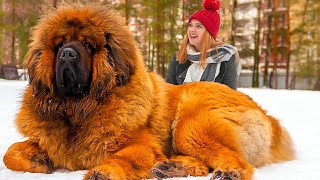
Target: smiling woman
(202, 57)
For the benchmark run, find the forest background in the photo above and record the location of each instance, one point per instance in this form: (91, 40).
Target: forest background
(253, 26)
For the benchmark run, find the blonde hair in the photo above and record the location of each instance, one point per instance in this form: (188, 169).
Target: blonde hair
(207, 42)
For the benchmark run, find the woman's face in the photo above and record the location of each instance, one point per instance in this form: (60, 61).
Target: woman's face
(195, 33)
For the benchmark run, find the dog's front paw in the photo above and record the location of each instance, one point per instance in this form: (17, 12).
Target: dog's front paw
(169, 170)
(105, 172)
(179, 166)
(27, 156)
(40, 160)
(225, 175)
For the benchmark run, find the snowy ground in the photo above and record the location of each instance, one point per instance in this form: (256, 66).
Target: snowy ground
(298, 111)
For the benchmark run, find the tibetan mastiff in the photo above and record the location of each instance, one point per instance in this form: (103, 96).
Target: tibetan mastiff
(92, 105)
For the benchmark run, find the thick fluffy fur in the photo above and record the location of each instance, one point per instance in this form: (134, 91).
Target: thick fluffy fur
(119, 120)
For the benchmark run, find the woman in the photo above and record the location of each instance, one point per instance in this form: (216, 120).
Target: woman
(201, 57)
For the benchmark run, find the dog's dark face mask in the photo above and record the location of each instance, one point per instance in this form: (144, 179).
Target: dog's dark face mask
(73, 76)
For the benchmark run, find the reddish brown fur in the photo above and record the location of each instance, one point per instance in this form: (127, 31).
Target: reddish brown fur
(131, 119)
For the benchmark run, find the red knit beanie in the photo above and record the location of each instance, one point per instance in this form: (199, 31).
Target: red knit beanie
(209, 17)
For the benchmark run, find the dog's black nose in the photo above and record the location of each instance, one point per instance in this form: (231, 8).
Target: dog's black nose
(68, 54)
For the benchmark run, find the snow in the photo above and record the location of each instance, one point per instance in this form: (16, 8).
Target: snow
(297, 110)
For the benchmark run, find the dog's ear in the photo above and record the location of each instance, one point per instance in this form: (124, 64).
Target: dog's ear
(30, 62)
(117, 58)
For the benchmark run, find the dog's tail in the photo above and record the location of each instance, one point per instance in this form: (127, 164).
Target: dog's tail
(282, 148)
(263, 139)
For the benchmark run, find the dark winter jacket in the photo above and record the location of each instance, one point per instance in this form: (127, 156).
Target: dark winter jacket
(228, 75)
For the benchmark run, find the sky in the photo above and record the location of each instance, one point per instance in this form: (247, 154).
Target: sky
(297, 110)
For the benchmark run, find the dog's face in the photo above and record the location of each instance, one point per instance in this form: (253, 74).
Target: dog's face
(80, 51)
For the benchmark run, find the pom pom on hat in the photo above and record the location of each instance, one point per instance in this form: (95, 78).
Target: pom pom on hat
(209, 17)
(212, 5)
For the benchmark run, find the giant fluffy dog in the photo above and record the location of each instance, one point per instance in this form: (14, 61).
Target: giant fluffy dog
(91, 104)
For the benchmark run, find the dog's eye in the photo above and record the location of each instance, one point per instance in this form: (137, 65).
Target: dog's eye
(57, 48)
(61, 44)
(88, 46)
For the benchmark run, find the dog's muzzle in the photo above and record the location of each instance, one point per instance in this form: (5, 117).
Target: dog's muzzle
(72, 74)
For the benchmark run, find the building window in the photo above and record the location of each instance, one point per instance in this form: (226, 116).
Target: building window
(310, 35)
(282, 3)
(270, 4)
(282, 20)
(311, 16)
(310, 53)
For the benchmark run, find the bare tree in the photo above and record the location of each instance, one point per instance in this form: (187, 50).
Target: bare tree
(233, 24)
(13, 32)
(255, 74)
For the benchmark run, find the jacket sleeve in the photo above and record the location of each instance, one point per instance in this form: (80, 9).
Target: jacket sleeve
(230, 77)
(172, 71)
